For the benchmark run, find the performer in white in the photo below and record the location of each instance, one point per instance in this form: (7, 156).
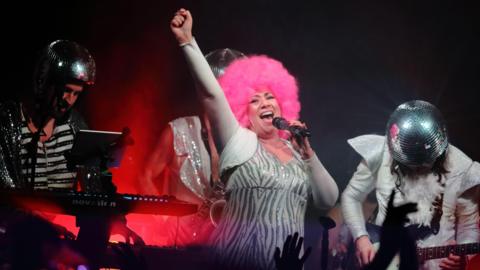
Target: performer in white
(415, 159)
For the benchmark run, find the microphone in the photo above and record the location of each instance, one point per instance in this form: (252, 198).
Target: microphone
(281, 123)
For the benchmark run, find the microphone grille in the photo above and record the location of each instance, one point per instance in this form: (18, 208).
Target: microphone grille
(280, 123)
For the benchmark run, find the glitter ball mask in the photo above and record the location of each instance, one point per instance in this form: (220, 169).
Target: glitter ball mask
(416, 134)
(63, 62)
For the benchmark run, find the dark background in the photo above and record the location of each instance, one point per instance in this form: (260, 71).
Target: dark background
(355, 62)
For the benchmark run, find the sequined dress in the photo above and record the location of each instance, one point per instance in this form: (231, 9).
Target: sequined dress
(192, 168)
(266, 201)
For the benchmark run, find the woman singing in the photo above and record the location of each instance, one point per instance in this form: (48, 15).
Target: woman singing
(268, 178)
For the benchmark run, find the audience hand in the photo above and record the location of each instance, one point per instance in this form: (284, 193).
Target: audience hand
(394, 237)
(289, 258)
(397, 216)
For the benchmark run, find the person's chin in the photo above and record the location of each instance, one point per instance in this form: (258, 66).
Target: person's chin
(58, 114)
(420, 170)
(267, 130)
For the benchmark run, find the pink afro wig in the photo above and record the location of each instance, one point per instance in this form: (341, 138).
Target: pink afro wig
(246, 76)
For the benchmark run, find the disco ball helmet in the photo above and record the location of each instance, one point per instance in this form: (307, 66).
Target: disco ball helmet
(416, 134)
(221, 58)
(62, 62)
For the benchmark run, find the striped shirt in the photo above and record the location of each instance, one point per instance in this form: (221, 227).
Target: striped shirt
(51, 169)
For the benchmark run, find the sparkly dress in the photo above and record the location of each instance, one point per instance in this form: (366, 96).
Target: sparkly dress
(266, 201)
(192, 168)
(193, 159)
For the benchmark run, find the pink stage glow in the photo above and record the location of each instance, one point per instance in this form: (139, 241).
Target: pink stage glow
(134, 89)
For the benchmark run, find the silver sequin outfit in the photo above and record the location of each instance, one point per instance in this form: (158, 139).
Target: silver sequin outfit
(194, 171)
(192, 168)
(266, 201)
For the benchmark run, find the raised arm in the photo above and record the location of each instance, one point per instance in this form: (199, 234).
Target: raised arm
(224, 123)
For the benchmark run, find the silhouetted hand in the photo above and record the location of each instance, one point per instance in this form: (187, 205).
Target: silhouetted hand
(395, 238)
(289, 259)
(397, 216)
(127, 259)
(137, 239)
(119, 226)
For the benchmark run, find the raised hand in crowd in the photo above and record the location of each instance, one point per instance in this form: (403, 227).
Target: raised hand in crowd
(394, 238)
(288, 258)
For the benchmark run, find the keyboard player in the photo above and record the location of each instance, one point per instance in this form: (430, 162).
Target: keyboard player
(38, 132)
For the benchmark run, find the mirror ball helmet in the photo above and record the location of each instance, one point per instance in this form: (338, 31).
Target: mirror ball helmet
(221, 58)
(416, 134)
(62, 62)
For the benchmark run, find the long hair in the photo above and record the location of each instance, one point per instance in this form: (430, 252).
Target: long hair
(400, 170)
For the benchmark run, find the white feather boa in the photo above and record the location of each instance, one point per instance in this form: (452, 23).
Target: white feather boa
(422, 190)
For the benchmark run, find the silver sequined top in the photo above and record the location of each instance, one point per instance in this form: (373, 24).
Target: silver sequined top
(194, 169)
